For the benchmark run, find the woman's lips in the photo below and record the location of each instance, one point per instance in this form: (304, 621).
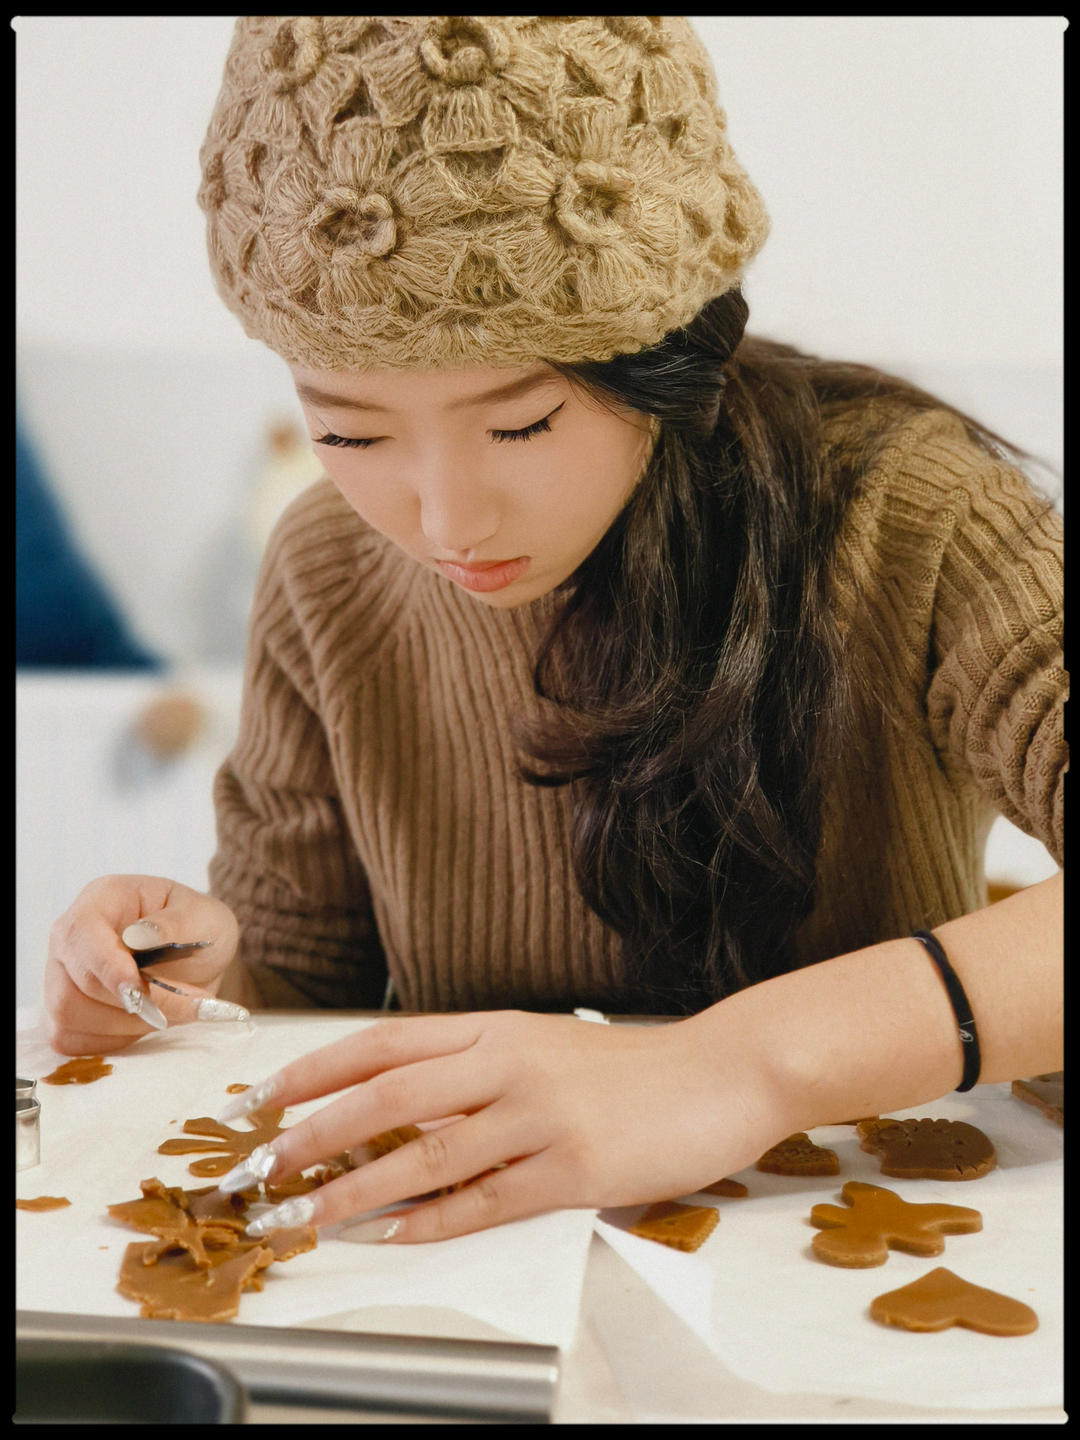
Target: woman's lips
(491, 575)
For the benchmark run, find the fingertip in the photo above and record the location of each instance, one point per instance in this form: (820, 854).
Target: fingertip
(142, 935)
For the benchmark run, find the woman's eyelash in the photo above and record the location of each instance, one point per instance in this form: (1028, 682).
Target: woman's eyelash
(529, 431)
(329, 439)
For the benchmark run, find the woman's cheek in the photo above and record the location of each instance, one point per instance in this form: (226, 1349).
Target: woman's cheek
(380, 505)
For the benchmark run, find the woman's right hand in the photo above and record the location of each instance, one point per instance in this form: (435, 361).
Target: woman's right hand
(94, 992)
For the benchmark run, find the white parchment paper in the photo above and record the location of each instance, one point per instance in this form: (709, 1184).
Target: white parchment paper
(99, 1141)
(777, 1316)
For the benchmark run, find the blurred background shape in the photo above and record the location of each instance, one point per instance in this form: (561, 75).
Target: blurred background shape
(65, 615)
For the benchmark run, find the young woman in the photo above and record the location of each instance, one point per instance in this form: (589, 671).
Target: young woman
(622, 660)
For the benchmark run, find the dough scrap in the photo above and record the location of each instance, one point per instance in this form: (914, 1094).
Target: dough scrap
(201, 1261)
(927, 1149)
(940, 1299)
(683, 1227)
(43, 1202)
(733, 1189)
(176, 1288)
(879, 1220)
(81, 1071)
(798, 1155)
(191, 1220)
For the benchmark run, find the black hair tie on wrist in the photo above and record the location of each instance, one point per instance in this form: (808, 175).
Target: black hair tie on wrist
(965, 1021)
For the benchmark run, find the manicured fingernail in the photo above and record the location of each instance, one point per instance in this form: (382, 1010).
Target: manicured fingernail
(248, 1100)
(371, 1232)
(211, 1009)
(297, 1211)
(252, 1170)
(136, 1003)
(142, 935)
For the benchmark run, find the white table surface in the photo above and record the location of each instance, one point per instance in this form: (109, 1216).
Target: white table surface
(633, 1360)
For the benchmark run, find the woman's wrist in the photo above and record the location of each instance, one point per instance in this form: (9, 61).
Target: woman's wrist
(863, 1034)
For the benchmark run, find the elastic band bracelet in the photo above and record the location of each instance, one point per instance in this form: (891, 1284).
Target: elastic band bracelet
(965, 1021)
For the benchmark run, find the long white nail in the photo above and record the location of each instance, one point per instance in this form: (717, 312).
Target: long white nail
(212, 1009)
(371, 1232)
(141, 935)
(136, 1003)
(297, 1211)
(252, 1170)
(248, 1100)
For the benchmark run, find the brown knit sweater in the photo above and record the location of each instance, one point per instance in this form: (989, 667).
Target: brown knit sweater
(370, 817)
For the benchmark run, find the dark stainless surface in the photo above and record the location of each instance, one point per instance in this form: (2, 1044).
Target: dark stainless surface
(477, 1380)
(101, 1382)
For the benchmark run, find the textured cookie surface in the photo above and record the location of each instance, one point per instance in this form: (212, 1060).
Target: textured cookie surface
(928, 1149)
(798, 1155)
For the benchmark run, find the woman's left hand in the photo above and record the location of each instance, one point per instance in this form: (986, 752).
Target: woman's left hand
(576, 1114)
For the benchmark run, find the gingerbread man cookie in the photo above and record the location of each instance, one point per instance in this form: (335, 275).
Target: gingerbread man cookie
(879, 1220)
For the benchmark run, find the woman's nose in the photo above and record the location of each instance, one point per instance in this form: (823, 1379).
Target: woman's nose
(457, 514)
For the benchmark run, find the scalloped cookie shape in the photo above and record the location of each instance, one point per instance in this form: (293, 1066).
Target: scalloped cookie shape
(879, 1221)
(927, 1149)
(941, 1299)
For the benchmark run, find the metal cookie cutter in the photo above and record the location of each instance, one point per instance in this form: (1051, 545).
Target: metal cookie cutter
(27, 1124)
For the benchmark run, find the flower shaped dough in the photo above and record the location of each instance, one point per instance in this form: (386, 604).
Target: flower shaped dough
(228, 1146)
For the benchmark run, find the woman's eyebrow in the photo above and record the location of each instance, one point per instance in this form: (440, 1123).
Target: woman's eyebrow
(509, 391)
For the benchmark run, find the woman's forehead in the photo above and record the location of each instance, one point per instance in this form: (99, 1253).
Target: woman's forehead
(452, 389)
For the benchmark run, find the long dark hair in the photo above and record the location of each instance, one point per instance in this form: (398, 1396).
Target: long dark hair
(692, 683)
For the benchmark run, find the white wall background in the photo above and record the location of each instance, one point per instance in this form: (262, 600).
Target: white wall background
(912, 166)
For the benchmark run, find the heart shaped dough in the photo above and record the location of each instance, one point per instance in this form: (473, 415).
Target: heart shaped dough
(940, 1299)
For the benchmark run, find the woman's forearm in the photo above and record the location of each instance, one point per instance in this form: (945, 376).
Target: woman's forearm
(873, 1031)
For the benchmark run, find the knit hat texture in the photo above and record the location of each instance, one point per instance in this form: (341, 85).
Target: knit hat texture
(419, 191)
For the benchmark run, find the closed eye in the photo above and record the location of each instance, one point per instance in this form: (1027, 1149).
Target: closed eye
(527, 433)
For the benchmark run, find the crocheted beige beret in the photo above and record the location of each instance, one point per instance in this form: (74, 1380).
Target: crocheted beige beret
(417, 191)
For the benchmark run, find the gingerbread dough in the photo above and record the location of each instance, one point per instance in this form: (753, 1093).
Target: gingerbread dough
(175, 1288)
(683, 1227)
(733, 1189)
(927, 1149)
(940, 1299)
(229, 1146)
(879, 1220)
(191, 1220)
(798, 1155)
(80, 1071)
(201, 1261)
(1047, 1092)
(43, 1202)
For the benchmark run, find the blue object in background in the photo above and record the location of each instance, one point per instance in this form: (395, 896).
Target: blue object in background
(64, 615)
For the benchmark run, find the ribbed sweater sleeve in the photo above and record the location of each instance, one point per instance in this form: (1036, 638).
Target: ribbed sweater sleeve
(997, 687)
(285, 862)
(947, 585)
